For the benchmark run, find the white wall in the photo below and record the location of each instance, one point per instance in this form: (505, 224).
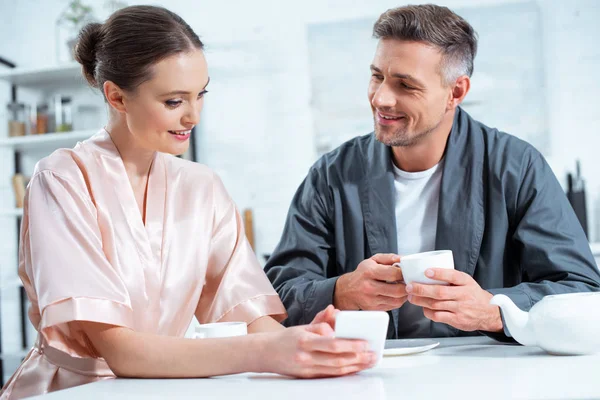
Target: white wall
(257, 130)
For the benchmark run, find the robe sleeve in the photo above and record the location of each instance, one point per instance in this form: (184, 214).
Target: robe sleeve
(236, 287)
(62, 264)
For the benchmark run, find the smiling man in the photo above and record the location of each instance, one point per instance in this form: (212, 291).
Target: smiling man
(429, 177)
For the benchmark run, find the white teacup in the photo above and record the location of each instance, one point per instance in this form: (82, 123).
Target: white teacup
(220, 329)
(414, 265)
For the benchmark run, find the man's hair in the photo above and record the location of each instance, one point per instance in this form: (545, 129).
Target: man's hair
(437, 26)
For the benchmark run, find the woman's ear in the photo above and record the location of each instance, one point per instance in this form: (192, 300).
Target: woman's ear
(114, 96)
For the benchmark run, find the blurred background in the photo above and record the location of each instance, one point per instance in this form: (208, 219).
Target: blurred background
(288, 83)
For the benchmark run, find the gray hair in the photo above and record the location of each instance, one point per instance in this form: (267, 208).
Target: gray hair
(438, 26)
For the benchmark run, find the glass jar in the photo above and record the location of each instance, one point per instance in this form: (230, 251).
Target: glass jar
(18, 119)
(63, 114)
(42, 119)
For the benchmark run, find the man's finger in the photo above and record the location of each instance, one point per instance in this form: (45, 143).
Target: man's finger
(386, 273)
(451, 276)
(386, 259)
(389, 303)
(394, 290)
(444, 317)
(438, 305)
(438, 292)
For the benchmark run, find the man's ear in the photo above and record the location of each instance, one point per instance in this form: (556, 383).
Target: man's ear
(460, 88)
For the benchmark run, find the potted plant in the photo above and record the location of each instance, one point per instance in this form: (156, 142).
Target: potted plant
(73, 18)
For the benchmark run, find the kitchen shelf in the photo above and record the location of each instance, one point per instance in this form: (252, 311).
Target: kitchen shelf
(11, 284)
(46, 140)
(36, 76)
(11, 212)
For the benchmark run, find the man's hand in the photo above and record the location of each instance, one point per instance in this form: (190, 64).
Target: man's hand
(463, 305)
(374, 285)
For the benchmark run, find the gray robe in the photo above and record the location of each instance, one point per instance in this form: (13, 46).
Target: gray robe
(501, 211)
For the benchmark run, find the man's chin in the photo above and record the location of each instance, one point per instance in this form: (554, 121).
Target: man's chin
(392, 138)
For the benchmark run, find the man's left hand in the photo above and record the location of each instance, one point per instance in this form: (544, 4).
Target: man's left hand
(463, 304)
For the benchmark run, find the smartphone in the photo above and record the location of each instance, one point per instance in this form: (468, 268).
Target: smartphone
(371, 326)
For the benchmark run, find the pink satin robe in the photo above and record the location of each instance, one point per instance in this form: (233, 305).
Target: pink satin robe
(87, 255)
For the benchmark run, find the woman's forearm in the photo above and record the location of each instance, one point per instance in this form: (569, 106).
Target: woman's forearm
(265, 324)
(145, 355)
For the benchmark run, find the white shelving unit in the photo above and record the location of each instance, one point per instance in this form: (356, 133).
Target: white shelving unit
(11, 212)
(11, 284)
(34, 77)
(45, 81)
(46, 141)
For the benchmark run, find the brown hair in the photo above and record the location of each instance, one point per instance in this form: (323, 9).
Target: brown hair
(438, 26)
(124, 48)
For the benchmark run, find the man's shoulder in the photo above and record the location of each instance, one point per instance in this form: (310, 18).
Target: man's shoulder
(502, 147)
(349, 154)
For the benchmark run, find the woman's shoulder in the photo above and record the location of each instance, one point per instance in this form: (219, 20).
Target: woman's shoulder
(64, 164)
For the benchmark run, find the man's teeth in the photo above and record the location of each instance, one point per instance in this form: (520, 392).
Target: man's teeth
(386, 117)
(180, 133)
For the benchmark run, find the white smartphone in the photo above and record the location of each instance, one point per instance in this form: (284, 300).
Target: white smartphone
(371, 326)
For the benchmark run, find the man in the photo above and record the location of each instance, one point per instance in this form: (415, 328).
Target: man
(430, 177)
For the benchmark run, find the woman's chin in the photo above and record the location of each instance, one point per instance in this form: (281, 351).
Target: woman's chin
(176, 150)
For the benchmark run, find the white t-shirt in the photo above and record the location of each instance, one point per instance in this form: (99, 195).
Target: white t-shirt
(417, 198)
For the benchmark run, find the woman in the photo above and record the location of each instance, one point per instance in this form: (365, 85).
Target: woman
(122, 243)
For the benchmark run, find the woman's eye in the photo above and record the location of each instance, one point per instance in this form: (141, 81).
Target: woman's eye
(173, 103)
(202, 93)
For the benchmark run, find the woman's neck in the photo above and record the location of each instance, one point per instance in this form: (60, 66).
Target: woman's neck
(136, 159)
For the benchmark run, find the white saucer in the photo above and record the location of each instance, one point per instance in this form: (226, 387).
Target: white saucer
(401, 347)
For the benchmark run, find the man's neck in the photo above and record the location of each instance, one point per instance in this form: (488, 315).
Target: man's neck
(426, 153)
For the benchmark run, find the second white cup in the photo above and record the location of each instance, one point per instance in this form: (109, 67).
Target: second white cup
(220, 329)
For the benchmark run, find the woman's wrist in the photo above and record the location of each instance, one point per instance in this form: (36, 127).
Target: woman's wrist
(258, 356)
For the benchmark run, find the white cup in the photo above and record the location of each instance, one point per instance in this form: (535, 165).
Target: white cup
(414, 265)
(220, 329)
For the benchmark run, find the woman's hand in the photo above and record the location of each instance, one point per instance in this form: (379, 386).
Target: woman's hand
(311, 351)
(327, 315)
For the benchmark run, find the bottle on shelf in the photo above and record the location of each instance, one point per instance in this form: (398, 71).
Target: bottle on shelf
(43, 119)
(18, 123)
(19, 184)
(63, 114)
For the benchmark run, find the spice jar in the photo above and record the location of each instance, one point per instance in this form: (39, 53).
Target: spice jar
(18, 122)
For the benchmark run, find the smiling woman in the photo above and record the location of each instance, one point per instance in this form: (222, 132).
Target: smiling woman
(122, 244)
(155, 97)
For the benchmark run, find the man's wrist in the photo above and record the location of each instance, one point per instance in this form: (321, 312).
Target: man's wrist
(338, 293)
(494, 324)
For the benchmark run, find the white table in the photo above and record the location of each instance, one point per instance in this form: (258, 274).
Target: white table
(477, 368)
